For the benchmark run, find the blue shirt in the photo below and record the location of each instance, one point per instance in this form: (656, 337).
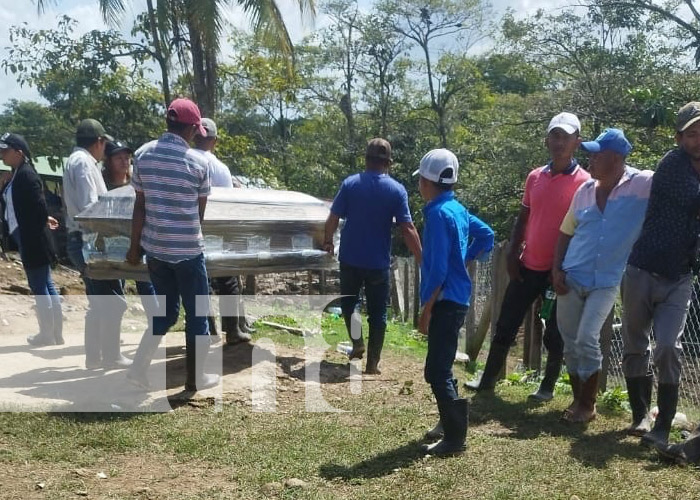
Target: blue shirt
(672, 226)
(451, 238)
(601, 241)
(369, 202)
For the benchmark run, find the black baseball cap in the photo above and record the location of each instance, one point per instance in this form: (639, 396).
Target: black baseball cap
(15, 141)
(114, 147)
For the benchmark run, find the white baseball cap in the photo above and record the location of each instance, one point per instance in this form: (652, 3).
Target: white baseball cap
(437, 162)
(568, 122)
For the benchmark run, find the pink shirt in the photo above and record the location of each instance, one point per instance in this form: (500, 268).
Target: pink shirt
(548, 197)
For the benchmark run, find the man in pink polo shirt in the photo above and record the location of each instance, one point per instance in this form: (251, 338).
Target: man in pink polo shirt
(548, 194)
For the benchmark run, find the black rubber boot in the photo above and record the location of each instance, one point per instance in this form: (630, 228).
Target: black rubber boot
(639, 394)
(212, 326)
(455, 420)
(494, 364)
(196, 378)
(667, 401)
(687, 452)
(375, 342)
(552, 370)
(437, 431)
(234, 335)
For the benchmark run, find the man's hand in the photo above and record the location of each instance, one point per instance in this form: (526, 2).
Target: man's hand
(328, 247)
(133, 256)
(52, 223)
(513, 266)
(559, 282)
(424, 321)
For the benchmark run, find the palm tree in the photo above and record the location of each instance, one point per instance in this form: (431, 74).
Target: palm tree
(193, 28)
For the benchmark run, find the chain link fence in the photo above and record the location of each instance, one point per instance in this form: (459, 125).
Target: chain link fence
(689, 402)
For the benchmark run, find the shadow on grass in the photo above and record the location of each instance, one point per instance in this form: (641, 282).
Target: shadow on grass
(377, 466)
(591, 449)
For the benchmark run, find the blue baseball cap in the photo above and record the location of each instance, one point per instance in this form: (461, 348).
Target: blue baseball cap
(612, 139)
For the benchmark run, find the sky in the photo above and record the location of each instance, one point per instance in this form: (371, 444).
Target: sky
(88, 15)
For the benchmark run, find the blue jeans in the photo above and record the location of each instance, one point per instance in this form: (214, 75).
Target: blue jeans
(376, 284)
(443, 332)
(106, 305)
(184, 280)
(580, 315)
(48, 300)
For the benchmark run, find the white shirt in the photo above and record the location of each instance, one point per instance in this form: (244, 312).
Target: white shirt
(82, 185)
(10, 216)
(219, 174)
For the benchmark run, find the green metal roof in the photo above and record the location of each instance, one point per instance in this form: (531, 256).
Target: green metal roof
(43, 166)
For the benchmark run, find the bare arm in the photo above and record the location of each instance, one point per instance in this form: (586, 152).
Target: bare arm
(424, 320)
(412, 240)
(202, 207)
(331, 227)
(558, 275)
(138, 218)
(517, 236)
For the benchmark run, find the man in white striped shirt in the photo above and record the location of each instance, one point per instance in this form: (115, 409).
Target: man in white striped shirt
(172, 184)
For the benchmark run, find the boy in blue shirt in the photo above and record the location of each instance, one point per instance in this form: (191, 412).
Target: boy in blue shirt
(451, 238)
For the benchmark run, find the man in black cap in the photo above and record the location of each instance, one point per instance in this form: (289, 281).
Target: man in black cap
(82, 186)
(369, 202)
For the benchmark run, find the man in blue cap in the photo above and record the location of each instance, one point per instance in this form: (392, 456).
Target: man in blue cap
(658, 281)
(595, 240)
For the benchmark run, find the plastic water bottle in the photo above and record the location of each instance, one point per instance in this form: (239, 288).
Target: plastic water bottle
(547, 303)
(344, 348)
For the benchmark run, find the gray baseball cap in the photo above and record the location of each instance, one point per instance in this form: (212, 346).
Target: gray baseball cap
(210, 127)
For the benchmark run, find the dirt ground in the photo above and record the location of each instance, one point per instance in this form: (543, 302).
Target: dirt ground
(47, 378)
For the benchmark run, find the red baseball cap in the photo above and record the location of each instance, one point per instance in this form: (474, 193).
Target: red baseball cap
(187, 112)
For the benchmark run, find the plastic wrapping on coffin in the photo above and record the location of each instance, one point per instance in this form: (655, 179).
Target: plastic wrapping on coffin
(246, 231)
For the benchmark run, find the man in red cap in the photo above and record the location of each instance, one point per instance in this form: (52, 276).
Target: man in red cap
(172, 185)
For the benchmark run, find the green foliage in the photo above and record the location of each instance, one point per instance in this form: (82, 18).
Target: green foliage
(401, 69)
(614, 399)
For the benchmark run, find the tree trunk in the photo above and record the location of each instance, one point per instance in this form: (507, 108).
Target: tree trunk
(159, 56)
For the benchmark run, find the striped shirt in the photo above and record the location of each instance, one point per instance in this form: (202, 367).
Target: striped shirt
(602, 241)
(172, 178)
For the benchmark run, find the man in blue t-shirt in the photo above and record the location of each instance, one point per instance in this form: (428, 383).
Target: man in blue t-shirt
(369, 202)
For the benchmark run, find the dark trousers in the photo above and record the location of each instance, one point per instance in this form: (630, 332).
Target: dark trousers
(517, 300)
(376, 284)
(443, 333)
(186, 280)
(227, 286)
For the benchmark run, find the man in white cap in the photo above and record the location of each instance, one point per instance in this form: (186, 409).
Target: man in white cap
(451, 238)
(219, 173)
(548, 193)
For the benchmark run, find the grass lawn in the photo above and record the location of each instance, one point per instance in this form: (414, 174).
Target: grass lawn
(370, 450)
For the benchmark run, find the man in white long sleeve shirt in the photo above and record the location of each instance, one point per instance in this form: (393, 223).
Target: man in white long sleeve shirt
(236, 327)
(82, 186)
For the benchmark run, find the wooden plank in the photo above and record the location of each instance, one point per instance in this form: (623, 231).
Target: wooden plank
(416, 293)
(406, 288)
(397, 304)
(470, 321)
(606, 333)
(475, 342)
